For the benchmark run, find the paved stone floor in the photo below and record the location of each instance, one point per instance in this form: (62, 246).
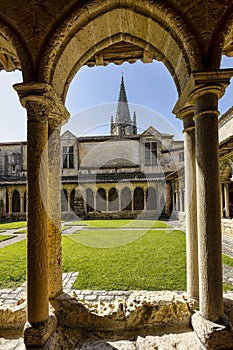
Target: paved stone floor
(181, 341)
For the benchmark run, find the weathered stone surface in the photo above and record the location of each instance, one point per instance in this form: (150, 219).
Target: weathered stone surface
(38, 334)
(142, 310)
(13, 317)
(212, 335)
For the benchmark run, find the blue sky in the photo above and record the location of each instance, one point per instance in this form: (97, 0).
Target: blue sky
(92, 97)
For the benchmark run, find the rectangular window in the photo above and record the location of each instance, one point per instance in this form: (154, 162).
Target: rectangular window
(181, 156)
(68, 157)
(150, 153)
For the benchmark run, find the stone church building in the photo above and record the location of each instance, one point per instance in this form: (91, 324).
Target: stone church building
(124, 174)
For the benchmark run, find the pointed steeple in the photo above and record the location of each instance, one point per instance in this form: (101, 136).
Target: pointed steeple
(123, 125)
(122, 114)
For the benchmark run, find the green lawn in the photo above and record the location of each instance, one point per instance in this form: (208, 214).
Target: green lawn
(5, 237)
(154, 261)
(117, 259)
(121, 223)
(12, 225)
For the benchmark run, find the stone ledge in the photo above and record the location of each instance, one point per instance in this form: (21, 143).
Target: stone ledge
(212, 336)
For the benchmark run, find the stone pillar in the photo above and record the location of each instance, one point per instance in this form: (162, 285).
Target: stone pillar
(221, 200)
(202, 91)
(227, 203)
(190, 204)
(10, 195)
(168, 198)
(107, 196)
(54, 210)
(21, 203)
(94, 195)
(40, 101)
(68, 201)
(37, 176)
(208, 206)
(119, 199)
(145, 204)
(132, 203)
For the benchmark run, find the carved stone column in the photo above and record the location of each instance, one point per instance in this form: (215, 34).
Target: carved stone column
(68, 201)
(21, 203)
(208, 209)
(226, 196)
(203, 91)
(10, 195)
(168, 198)
(37, 99)
(54, 211)
(190, 203)
(145, 199)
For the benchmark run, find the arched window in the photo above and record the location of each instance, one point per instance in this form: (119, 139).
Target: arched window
(25, 202)
(126, 199)
(101, 200)
(15, 202)
(151, 199)
(89, 200)
(138, 199)
(64, 201)
(113, 200)
(72, 197)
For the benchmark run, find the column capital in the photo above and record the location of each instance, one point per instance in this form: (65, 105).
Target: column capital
(43, 102)
(201, 83)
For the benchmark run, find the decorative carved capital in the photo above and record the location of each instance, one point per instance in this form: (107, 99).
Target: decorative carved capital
(42, 103)
(201, 83)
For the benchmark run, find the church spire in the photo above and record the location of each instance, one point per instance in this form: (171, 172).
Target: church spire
(123, 124)
(122, 114)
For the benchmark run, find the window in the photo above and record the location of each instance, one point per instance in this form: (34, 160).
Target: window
(150, 153)
(68, 157)
(181, 156)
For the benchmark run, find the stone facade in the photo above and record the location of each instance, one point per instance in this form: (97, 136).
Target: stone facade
(122, 175)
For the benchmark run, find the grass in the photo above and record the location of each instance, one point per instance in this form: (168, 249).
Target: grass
(13, 265)
(118, 259)
(13, 225)
(121, 223)
(155, 261)
(5, 237)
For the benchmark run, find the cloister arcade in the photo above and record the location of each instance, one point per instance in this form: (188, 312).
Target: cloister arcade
(50, 41)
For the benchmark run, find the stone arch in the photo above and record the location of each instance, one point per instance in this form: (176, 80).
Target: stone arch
(101, 200)
(151, 199)
(89, 200)
(14, 53)
(15, 202)
(152, 27)
(113, 200)
(126, 199)
(138, 198)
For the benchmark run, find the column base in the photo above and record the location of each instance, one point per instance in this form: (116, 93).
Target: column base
(36, 335)
(212, 336)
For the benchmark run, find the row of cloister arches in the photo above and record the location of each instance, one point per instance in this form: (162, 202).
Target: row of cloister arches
(16, 202)
(113, 200)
